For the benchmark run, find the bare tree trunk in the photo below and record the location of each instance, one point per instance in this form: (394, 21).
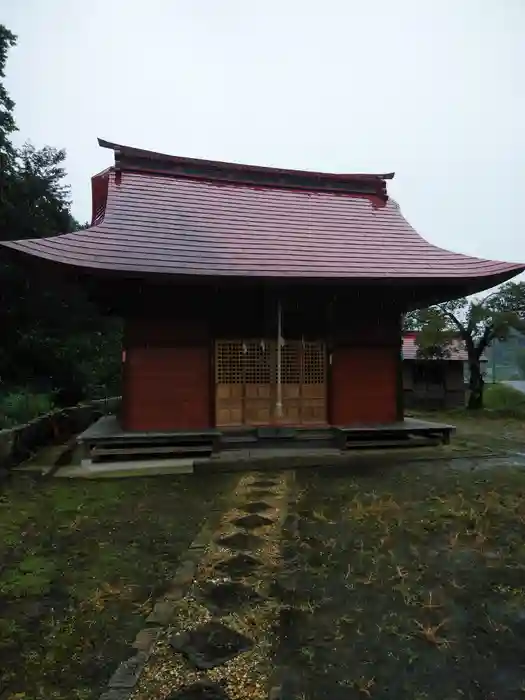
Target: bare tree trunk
(476, 385)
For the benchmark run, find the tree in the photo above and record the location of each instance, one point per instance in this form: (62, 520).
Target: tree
(7, 128)
(477, 323)
(53, 339)
(7, 121)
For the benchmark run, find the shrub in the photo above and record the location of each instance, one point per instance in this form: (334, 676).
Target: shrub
(504, 400)
(21, 407)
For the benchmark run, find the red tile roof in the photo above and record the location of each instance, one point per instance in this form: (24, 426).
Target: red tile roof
(160, 214)
(410, 348)
(457, 349)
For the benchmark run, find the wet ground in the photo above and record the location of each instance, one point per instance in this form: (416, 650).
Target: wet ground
(404, 582)
(388, 579)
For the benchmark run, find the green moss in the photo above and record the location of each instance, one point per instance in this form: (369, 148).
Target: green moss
(82, 564)
(32, 576)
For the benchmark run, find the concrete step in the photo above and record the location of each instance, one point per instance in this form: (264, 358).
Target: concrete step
(47, 458)
(108, 470)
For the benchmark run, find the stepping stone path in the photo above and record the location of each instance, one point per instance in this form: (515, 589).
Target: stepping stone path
(252, 521)
(200, 691)
(217, 584)
(210, 645)
(240, 541)
(256, 507)
(237, 566)
(228, 596)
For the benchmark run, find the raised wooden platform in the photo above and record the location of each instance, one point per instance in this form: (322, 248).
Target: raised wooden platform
(403, 432)
(106, 442)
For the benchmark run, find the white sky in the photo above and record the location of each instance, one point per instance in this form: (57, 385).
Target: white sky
(432, 90)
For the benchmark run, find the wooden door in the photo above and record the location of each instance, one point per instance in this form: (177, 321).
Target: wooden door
(246, 383)
(243, 386)
(257, 375)
(303, 381)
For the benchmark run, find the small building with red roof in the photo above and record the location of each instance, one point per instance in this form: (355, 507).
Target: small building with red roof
(254, 297)
(434, 383)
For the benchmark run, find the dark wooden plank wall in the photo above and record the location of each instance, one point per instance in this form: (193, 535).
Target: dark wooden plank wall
(365, 386)
(166, 376)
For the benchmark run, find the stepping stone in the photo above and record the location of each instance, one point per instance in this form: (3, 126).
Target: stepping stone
(262, 493)
(256, 507)
(210, 645)
(222, 598)
(240, 541)
(253, 521)
(239, 565)
(146, 638)
(127, 674)
(185, 572)
(162, 613)
(202, 690)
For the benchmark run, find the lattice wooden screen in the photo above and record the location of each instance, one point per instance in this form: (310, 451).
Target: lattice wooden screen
(255, 362)
(243, 362)
(290, 363)
(229, 362)
(314, 363)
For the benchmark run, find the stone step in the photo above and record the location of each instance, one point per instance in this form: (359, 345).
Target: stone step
(145, 467)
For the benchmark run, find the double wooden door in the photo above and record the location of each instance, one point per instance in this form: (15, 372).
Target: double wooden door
(250, 380)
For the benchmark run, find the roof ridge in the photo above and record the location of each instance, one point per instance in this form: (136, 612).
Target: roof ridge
(140, 160)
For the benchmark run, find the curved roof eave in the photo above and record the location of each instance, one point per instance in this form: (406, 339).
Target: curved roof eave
(492, 274)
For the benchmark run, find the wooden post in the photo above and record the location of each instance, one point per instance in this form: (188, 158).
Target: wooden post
(279, 402)
(400, 388)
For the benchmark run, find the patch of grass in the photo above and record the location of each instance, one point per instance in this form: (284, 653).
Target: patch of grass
(30, 577)
(409, 583)
(504, 400)
(481, 431)
(81, 564)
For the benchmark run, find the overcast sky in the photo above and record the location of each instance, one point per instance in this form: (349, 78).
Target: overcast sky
(432, 90)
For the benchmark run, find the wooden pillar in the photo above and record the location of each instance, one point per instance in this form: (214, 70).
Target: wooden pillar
(400, 403)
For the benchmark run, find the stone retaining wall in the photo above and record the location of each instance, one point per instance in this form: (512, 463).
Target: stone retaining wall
(18, 443)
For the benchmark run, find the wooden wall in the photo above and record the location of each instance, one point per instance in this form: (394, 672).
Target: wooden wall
(364, 385)
(168, 370)
(166, 376)
(366, 380)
